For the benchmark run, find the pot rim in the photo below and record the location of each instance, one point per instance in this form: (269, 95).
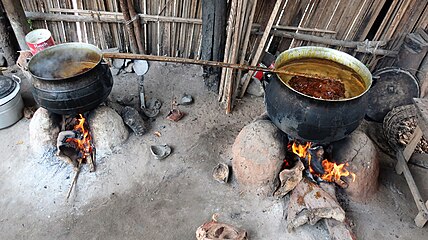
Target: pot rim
(13, 94)
(329, 54)
(68, 46)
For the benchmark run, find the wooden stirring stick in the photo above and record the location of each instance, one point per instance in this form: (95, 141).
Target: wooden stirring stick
(208, 63)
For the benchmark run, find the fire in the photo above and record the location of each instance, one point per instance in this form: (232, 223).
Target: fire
(84, 143)
(333, 172)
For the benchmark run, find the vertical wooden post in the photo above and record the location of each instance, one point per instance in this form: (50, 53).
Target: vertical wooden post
(18, 21)
(8, 42)
(213, 38)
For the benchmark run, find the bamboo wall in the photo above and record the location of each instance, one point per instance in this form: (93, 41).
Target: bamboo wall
(351, 20)
(173, 27)
(170, 27)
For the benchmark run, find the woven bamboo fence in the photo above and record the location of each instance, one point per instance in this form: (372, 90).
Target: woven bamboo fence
(170, 27)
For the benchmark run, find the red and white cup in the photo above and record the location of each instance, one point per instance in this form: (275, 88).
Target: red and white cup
(39, 39)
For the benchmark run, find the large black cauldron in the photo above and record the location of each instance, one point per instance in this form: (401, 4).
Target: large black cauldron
(310, 119)
(70, 92)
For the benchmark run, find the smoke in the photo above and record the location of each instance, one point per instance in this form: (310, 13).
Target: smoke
(58, 63)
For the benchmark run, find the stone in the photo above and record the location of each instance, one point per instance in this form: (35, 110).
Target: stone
(3, 62)
(44, 129)
(107, 129)
(359, 151)
(258, 153)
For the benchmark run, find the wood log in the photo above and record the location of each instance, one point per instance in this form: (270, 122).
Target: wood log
(289, 179)
(17, 20)
(309, 203)
(337, 230)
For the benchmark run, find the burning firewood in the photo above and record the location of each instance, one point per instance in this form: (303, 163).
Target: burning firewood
(289, 179)
(338, 230)
(310, 203)
(214, 230)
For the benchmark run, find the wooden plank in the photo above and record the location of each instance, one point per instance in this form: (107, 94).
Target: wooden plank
(422, 216)
(423, 20)
(369, 19)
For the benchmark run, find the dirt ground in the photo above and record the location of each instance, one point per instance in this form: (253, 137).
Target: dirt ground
(134, 196)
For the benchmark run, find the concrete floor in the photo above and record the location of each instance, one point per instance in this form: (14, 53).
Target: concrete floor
(134, 196)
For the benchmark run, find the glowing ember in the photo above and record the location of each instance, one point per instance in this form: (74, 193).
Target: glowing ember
(332, 171)
(84, 143)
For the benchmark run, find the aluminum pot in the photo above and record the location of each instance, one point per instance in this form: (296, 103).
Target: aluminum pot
(312, 119)
(61, 90)
(11, 104)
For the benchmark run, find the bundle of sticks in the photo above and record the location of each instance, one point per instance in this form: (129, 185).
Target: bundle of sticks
(238, 35)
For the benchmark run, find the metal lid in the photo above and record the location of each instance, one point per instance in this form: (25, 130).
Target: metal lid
(7, 85)
(392, 87)
(9, 95)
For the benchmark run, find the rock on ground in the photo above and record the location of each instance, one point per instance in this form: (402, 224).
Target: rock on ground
(107, 129)
(258, 153)
(361, 154)
(44, 129)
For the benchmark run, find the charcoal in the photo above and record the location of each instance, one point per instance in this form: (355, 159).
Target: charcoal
(132, 119)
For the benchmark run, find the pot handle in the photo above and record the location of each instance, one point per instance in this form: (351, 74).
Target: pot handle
(16, 79)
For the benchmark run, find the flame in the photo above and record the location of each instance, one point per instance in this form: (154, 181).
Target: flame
(333, 172)
(83, 144)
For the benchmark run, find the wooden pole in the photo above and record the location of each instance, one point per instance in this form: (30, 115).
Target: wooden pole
(8, 42)
(137, 25)
(18, 21)
(262, 45)
(207, 63)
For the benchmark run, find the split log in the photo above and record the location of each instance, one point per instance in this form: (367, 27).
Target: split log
(309, 203)
(337, 230)
(214, 230)
(289, 179)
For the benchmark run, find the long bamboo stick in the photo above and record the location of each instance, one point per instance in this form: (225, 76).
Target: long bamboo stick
(208, 63)
(262, 44)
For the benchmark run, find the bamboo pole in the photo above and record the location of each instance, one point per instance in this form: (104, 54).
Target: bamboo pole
(129, 27)
(101, 16)
(230, 24)
(262, 44)
(137, 25)
(235, 47)
(208, 63)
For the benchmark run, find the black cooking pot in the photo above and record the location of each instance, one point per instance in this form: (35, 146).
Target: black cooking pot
(70, 78)
(312, 119)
